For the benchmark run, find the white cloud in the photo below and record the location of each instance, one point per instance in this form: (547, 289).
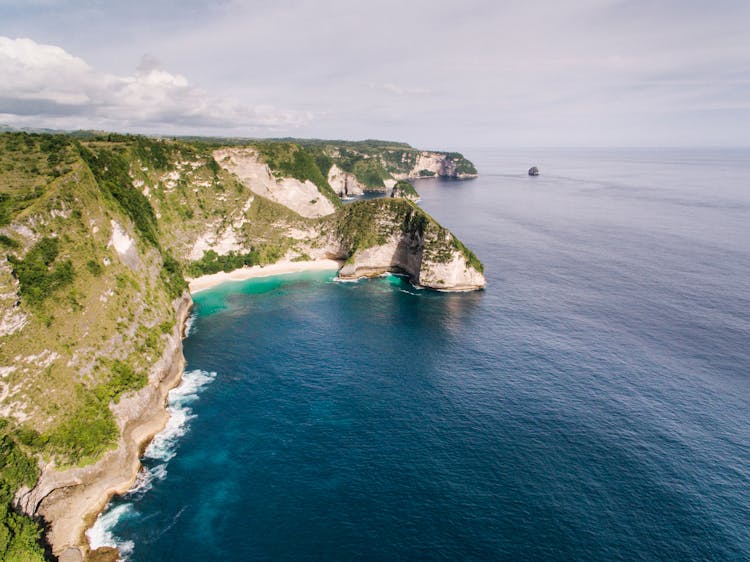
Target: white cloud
(432, 72)
(399, 90)
(44, 83)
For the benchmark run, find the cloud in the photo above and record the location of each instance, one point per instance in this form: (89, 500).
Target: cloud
(44, 83)
(431, 72)
(399, 90)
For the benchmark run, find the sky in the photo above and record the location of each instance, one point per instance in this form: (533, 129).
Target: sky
(436, 74)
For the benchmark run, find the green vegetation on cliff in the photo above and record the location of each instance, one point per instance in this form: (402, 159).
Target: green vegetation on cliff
(471, 257)
(111, 170)
(80, 301)
(20, 536)
(38, 275)
(28, 163)
(365, 224)
(405, 189)
(368, 171)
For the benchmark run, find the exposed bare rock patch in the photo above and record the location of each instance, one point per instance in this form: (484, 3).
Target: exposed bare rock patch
(303, 198)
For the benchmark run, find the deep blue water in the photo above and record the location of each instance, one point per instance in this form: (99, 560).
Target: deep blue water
(592, 403)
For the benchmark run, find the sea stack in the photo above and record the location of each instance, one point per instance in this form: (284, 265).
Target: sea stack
(533, 171)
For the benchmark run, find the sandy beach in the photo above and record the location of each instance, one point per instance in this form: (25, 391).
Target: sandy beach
(279, 268)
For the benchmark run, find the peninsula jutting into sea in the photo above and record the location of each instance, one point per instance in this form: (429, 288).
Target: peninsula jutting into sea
(104, 234)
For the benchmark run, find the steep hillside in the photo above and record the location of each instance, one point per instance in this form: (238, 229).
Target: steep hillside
(383, 235)
(98, 234)
(86, 297)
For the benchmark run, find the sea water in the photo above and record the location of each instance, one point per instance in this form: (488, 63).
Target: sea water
(592, 403)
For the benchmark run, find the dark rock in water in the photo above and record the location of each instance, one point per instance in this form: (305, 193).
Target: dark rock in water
(533, 171)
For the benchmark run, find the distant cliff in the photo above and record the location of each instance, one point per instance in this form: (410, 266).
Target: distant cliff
(352, 168)
(99, 232)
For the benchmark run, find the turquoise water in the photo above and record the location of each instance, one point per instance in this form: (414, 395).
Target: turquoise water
(592, 403)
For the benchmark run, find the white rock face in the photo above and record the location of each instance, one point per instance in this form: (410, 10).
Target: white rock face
(437, 163)
(221, 236)
(454, 275)
(124, 245)
(391, 256)
(42, 360)
(12, 320)
(220, 242)
(301, 197)
(120, 240)
(407, 255)
(344, 183)
(429, 161)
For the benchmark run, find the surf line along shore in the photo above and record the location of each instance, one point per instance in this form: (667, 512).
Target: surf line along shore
(140, 416)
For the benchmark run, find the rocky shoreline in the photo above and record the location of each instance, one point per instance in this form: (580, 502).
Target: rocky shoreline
(70, 500)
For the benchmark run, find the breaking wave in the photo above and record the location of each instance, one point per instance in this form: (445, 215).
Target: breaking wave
(159, 452)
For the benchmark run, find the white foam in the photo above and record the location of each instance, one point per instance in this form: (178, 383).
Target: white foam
(162, 448)
(101, 533)
(189, 325)
(338, 279)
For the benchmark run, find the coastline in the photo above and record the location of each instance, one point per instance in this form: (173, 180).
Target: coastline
(279, 268)
(71, 500)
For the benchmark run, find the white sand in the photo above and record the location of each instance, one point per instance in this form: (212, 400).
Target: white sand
(279, 268)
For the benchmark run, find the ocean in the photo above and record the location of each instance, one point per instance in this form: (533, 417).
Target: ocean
(592, 403)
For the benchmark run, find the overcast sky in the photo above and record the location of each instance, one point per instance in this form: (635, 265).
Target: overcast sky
(438, 74)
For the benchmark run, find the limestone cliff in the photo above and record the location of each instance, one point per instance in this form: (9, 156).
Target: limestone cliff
(345, 184)
(395, 235)
(439, 164)
(376, 165)
(70, 498)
